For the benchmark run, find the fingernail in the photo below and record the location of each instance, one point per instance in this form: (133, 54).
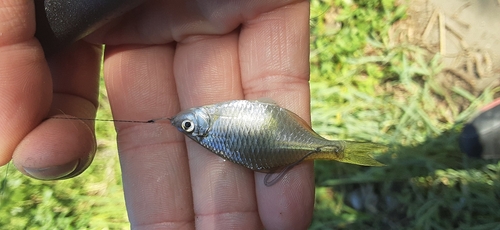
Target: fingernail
(53, 172)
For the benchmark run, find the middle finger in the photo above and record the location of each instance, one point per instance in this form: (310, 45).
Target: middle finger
(223, 192)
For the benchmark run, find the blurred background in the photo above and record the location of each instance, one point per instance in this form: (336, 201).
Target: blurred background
(406, 74)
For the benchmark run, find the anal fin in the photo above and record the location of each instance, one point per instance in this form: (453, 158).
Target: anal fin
(268, 181)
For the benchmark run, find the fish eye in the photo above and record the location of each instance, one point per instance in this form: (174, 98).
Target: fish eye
(187, 126)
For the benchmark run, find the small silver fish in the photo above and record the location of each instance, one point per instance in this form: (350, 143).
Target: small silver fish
(265, 137)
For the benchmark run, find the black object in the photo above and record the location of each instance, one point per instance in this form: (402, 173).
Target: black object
(480, 138)
(469, 141)
(62, 22)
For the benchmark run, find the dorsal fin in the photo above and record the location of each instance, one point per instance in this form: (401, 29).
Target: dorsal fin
(299, 119)
(296, 117)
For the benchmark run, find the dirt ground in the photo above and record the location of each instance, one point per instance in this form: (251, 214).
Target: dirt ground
(465, 32)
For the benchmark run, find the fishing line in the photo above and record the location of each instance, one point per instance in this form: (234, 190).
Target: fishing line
(109, 120)
(4, 182)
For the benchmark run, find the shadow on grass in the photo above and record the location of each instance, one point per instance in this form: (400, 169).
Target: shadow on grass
(428, 186)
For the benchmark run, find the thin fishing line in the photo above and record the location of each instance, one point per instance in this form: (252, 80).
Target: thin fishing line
(4, 182)
(109, 120)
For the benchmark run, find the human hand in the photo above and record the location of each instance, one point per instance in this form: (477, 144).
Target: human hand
(162, 57)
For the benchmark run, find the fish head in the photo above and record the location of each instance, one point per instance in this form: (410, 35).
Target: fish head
(194, 123)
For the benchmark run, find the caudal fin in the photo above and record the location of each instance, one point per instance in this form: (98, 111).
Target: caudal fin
(358, 153)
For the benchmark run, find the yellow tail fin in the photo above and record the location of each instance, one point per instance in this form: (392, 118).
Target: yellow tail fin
(358, 153)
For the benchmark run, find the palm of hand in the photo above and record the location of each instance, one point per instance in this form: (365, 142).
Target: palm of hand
(161, 57)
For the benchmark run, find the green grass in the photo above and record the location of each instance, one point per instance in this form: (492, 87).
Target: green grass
(364, 87)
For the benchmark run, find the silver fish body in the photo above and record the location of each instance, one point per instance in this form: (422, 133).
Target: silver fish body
(263, 136)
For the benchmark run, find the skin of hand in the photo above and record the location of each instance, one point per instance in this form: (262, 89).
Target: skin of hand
(161, 57)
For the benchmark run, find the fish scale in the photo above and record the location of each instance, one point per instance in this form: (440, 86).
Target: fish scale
(257, 147)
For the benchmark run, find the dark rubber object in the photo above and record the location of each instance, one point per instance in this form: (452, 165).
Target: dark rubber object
(59, 23)
(480, 138)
